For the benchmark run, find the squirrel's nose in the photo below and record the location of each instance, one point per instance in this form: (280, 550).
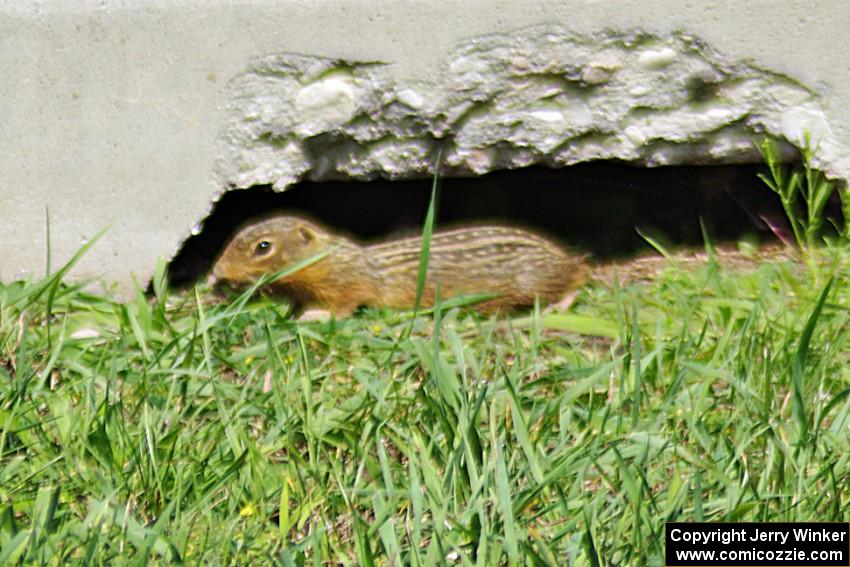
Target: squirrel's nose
(217, 273)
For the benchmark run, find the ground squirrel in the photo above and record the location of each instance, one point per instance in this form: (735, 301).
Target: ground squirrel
(514, 265)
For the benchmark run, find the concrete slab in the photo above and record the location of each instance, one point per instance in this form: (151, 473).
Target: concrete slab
(136, 114)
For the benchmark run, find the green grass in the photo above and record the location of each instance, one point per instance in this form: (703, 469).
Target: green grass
(180, 429)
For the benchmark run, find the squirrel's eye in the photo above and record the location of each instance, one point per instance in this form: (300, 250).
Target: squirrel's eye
(263, 247)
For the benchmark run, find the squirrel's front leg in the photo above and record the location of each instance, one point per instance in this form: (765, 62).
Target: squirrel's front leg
(325, 313)
(314, 314)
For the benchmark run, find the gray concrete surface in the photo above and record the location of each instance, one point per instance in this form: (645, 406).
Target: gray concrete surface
(136, 114)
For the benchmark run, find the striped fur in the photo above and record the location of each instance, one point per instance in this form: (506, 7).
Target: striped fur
(514, 264)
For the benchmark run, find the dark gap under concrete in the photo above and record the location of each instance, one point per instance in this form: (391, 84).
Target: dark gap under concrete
(594, 207)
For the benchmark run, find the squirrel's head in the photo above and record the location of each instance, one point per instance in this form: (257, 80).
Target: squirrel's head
(266, 247)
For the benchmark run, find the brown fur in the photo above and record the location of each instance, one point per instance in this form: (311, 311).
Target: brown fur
(516, 265)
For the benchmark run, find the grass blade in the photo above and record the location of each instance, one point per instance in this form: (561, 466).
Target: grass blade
(799, 367)
(427, 230)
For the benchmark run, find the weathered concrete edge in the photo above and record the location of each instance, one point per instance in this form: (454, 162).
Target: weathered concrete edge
(122, 102)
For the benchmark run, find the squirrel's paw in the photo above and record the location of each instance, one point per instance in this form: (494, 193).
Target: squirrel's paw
(562, 304)
(310, 315)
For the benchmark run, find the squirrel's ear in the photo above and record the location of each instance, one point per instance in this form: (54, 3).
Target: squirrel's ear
(306, 233)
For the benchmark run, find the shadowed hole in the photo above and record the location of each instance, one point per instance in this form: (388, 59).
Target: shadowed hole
(594, 207)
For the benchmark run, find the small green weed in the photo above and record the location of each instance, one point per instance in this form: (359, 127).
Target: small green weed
(804, 195)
